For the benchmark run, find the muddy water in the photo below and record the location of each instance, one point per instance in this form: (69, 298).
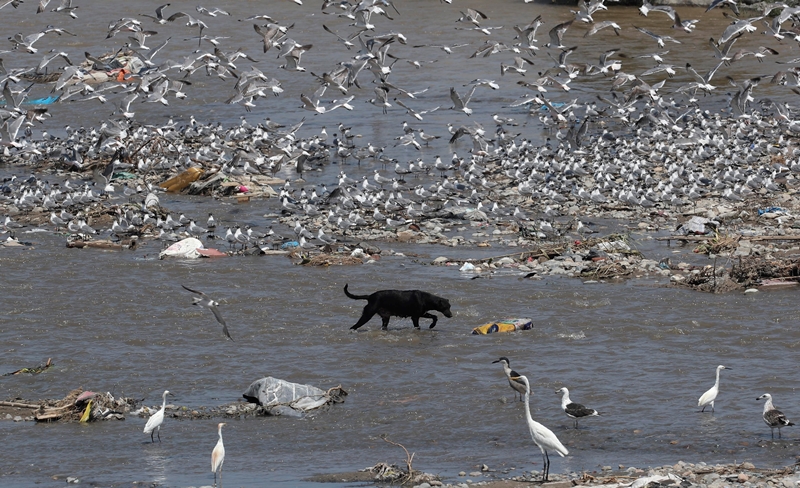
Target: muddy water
(640, 353)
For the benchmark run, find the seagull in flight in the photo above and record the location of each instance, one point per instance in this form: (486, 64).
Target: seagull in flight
(659, 39)
(557, 35)
(204, 300)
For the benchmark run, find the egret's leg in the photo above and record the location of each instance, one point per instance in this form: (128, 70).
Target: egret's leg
(547, 470)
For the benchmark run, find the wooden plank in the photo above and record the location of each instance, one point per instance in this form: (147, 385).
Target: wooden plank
(18, 405)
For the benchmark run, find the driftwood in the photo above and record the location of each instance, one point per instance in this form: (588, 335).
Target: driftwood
(19, 405)
(36, 370)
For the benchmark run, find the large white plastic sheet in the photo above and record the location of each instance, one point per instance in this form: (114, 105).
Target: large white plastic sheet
(186, 248)
(281, 397)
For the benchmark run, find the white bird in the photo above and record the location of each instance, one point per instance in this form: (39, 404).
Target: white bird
(772, 416)
(155, 420)
(542, 436)
(574, 410)
(709, 396)
(459, 103)
(218, 455)
(513, 377)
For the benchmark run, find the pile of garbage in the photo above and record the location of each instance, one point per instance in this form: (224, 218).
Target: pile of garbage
(78, 406)
(605, 257)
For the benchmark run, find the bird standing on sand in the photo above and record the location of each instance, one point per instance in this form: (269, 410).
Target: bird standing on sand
(542, 436)
(218, 456)
(709, 396)
(155, 420)
(204, 300)
(772, 416)
(574, 410)
(513, 377)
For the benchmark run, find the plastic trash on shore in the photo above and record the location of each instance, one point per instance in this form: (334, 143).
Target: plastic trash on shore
(183, 180)
(698, 226)
(507, 325)
(187, 248)
(467, 268)
(280, 397)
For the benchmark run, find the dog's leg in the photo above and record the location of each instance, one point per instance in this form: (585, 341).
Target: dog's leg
(428, 315)
(415, 320)
(366, 315)
(385, 319)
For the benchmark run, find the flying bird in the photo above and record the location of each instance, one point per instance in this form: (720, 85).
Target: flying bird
(204, 300)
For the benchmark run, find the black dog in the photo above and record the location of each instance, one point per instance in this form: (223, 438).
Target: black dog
(401, 303)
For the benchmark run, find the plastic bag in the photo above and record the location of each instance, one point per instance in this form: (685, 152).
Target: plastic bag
(186, 248)
(275, 395)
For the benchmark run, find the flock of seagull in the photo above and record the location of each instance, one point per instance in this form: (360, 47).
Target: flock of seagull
(637, 146)
(546, 440)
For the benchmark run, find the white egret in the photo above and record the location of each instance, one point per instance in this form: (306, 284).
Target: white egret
(709, 396)
(155, 420)
(772, 416)
(218, 456)
(574, 410)
(542, 436)
(513, 377)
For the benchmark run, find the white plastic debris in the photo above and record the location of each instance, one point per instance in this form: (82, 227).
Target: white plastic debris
(281, 397)
(467, 268)
(358, 253)
(187, 248)
(613, 246)
(151, 200)
(669, 479)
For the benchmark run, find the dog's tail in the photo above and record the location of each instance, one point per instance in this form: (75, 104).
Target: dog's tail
(355, 297)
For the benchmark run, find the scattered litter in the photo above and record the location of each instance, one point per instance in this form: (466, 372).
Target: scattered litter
(698, 226)
(328, 259)
(751, 290)
(151, 200)
(280, 397)
(467, 268)
(507, 325)
(290, 244)
(183, 180)
(35, 370)
(12, 242)
(211, 253)
(762, 211)
(82, 406)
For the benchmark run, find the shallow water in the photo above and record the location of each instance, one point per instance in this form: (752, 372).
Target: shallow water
(640, 353)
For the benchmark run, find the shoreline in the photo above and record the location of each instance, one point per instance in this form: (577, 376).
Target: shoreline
(680, 474)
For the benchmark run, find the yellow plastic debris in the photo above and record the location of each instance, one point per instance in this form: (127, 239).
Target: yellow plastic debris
(183, 180)
(88, 412)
